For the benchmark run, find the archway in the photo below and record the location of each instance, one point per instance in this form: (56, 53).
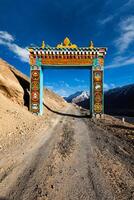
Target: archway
(67, 55)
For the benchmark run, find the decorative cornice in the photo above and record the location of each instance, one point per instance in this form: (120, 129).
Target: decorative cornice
(67, 50)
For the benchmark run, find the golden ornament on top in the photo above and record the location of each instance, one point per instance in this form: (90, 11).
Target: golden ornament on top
(66, 41)
(43, 45)
(91, 45)
(67, 44)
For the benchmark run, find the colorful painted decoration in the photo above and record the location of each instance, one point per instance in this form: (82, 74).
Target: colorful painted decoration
(101, 61)
(35, 85)
(67, 54)
(96, 64)
(98, 91)
(35, 96)
(98, 97)
(98, 86)
(97, 108)
(35, 91)
(35, 75)
(67, 44)
(91, 45)
(35, 107)
(97, 76)
(32, 59)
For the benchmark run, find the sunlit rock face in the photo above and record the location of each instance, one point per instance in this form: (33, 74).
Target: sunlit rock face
(9, 84)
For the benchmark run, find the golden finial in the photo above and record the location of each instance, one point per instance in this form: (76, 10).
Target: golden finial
(67, 44)
(43, 45)
(66, 41)
(91, 44)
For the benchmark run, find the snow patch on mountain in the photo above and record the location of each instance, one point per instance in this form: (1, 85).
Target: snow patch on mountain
(78, 97)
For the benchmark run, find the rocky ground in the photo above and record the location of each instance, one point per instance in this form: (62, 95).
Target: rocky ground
(74, 157)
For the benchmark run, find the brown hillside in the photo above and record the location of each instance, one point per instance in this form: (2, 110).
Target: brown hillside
(17, 124)
(9, 84)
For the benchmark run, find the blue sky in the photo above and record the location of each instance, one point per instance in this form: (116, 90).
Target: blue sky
(108, 23)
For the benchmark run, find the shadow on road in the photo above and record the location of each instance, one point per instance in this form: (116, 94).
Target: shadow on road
(66, 114)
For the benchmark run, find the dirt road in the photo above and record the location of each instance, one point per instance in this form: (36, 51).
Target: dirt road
(76, 159)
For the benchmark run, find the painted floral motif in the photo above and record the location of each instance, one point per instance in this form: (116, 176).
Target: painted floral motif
(35, 85)
(98, 107)
(98, 97)
(35, 75)
(97, 76)
(35, 90)
(35, 96)
(98, 86)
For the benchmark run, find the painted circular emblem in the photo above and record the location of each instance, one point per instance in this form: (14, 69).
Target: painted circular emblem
(35, 107)
(35, 85)
(35, 96)
(98, 86)
(35, 75)
(98, 107)
(97, 76)
(98, 97)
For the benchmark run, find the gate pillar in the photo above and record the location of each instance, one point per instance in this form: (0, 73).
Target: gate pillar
(36, 87)
(97, 89)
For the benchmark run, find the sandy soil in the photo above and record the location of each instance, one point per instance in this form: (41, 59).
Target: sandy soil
(71, 158)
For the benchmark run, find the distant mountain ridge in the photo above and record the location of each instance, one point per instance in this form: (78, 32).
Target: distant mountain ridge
(77, 97)
(118, 101)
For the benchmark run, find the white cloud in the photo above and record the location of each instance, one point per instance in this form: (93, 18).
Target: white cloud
(108, 86)
(6, 36)
(62, 92)
(122, 43)
(2, 42)
(126, 28)
(64, 89)
(106, 20)
(22, 53)
(121, 61)
(129, 3)
(116, 12)
(7, 40)
(79, 80)
(50, 87)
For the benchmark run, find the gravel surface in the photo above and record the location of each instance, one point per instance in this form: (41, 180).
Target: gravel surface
(75, 158)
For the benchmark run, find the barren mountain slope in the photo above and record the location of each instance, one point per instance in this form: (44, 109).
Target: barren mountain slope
(17, 124)
(9, 85)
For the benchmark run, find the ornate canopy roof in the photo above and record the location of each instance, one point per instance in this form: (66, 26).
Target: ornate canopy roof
(65, 54)
(67, 48)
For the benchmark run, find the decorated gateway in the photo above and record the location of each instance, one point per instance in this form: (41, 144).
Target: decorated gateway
(67, 55)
